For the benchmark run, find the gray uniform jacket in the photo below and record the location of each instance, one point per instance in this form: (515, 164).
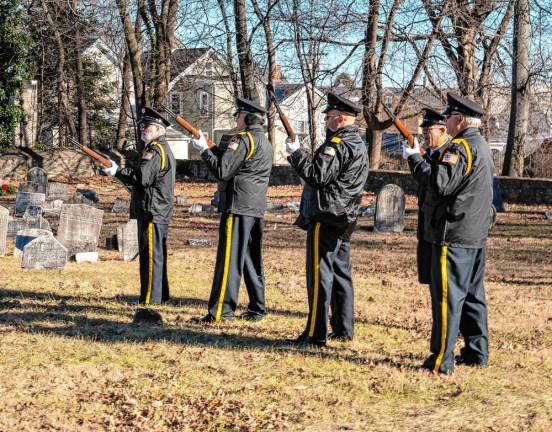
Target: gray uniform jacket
(457, 203)
(243, 170)
(152, 181)
(335, 178)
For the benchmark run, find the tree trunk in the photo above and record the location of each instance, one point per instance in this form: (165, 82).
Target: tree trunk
(245, 58)
(228, 58)
(81, 97)
(519, 110)
(122, 125)
(373, 141)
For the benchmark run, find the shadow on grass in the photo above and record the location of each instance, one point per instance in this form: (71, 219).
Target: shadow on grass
(63, 319)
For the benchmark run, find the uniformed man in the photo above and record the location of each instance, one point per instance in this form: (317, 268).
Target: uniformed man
(435, 136)
(457, 210)
(152, 181)
(243, 169)
(335, 178)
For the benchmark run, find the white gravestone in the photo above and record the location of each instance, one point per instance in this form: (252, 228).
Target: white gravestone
(79, 228)
(44, 252)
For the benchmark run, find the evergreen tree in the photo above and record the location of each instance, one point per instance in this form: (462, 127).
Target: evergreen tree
(14, 44)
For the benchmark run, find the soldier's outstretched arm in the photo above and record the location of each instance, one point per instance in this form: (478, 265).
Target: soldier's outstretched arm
(323, 169)
(225, 165)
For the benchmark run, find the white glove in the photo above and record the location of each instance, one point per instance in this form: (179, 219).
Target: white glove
(200, 143)
(112, 170)
(292, 145)
(409, 151)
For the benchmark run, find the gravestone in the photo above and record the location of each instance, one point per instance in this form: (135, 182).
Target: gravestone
(4, 220)
(79, 198)
(44, 252)
(15, 225)
(390, 204)
(28, 187)
(33, 218)
(81, 257)
(39, 177)
(79, 228)
(127, 240)
(57, 191)
(24, 237)
(89, 194)
(121, 206)
(23, 199)
(497, 198)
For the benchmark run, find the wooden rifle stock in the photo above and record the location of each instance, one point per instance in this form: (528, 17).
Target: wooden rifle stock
(187, 126)
(402, 128)
(94, 155)
(283, 118)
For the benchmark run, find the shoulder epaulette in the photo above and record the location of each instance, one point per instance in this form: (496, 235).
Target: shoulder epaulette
(252, 149)
(162, 152)
(464, 143)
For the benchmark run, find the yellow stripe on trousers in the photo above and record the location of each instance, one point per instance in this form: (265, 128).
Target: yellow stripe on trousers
(226, 265)
(316, 279)
(150, 262)
(444, 305)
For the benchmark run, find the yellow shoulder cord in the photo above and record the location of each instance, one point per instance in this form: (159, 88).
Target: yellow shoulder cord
(252, 149)
(162, 151)
(335, 140)
(468, 153)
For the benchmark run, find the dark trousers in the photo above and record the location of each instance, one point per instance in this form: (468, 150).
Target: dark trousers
(239, 251)
(329, 282)
(423, 259)
(152, 242)
(458, 303)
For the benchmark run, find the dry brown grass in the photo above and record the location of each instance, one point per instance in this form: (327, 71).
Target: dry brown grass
(70, 360)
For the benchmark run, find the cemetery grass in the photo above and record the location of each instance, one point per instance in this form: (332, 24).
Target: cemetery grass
(70, 359)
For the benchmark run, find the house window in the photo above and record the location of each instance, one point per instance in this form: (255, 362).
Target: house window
(389, 101)
(204, 102)
(300, 127)
(208, 69)
(176, 102)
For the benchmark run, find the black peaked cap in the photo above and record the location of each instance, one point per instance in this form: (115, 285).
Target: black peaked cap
(462, 105)
(150, 116)
(431, 118)
(243, 104)
(339, 103)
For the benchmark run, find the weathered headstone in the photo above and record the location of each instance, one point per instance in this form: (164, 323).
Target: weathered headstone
(121, 206)
(15, 225)
(38, 176)
(127, 240)
(28, 187)
(24, 237)
(4, 219)
(23, 199)
(53, 206)
(33, 218)
(57, 191)
(44, 252)
(390, 204)
(79, 228)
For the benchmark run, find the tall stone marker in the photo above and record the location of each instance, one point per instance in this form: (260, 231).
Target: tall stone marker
(24, 237)
(39, 177)
(44, 252)
(57, 191)
(390, 205)
(4, 219)
(127, 240)
(79, 228)
(23, 199)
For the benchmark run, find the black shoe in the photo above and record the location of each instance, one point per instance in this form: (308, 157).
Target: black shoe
(211, 319)
(339, 337)
(149, 316)
(463, 361)
(304, 340)
(252, 316)
(429, 365)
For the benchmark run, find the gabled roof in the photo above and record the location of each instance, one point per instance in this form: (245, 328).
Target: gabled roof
(183, 58)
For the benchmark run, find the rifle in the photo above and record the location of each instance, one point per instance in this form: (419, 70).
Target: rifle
(187, 126)
(283, 118)
(402, 128)
(94, 155)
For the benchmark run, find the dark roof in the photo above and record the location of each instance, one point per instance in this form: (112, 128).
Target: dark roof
(181, 58)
